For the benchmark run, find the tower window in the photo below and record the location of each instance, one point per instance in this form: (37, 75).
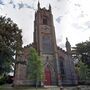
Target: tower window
(45, 20)
(46, 44)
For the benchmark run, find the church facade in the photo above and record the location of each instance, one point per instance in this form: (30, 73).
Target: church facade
(58, 64)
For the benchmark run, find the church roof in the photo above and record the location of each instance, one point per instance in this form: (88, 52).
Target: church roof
(58, 48)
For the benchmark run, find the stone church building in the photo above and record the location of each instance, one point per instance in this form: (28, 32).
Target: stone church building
(58, 64)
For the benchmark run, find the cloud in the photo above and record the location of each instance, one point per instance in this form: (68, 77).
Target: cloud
(82, 14)
(83, 27)
(14, 6)
(87, 24)
(21, 5)
(29, 6)
(58, 19)
(1, 2)
(62, 45)
(59, 39)
(77, 26)
(11, 2)
(78, 5)
(59, 0)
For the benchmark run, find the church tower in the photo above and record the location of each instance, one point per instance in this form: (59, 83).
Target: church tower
(45, 43)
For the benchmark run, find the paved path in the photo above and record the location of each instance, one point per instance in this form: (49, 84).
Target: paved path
(46, 88)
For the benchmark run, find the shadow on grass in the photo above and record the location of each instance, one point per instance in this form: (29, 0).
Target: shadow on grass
(9, 87)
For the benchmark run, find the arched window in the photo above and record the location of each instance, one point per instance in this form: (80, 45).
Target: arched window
(46, 44)
(45, 20)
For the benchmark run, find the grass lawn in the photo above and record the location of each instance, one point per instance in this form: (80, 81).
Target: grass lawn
(8, 87)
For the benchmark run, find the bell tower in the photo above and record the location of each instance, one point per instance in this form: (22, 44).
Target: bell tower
(45, 43)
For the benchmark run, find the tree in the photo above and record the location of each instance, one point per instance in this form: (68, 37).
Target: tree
(82, 51)
(35, 66)
(83, 48)
(10, 43)
(82, 72)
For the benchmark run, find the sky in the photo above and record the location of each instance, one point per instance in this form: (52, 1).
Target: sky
(71, 18)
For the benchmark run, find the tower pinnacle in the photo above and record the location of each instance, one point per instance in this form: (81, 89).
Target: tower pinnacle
(38, 5)
(49, 7)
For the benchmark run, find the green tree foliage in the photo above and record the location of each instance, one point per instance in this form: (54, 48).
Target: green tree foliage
(83, 48)
(82, 51)
(35, 66)
(10, 43)
(83, 71)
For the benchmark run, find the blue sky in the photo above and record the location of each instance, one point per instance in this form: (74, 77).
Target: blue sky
(71, 18)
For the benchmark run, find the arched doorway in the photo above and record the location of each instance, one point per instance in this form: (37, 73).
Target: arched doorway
(47, 79)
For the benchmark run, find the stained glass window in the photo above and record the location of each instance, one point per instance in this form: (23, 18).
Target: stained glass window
(46, 44)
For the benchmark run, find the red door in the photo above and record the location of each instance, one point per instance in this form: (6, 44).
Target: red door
(47, 77)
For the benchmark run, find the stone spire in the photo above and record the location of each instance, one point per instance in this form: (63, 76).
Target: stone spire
(68, 46)
(49, 7)
(38, 5)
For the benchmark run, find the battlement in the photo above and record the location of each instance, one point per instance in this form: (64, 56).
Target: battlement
(43, 9)
(61, 50)
(28, 46)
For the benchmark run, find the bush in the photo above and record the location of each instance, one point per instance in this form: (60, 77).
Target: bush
(3, 80)
(9, 79)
